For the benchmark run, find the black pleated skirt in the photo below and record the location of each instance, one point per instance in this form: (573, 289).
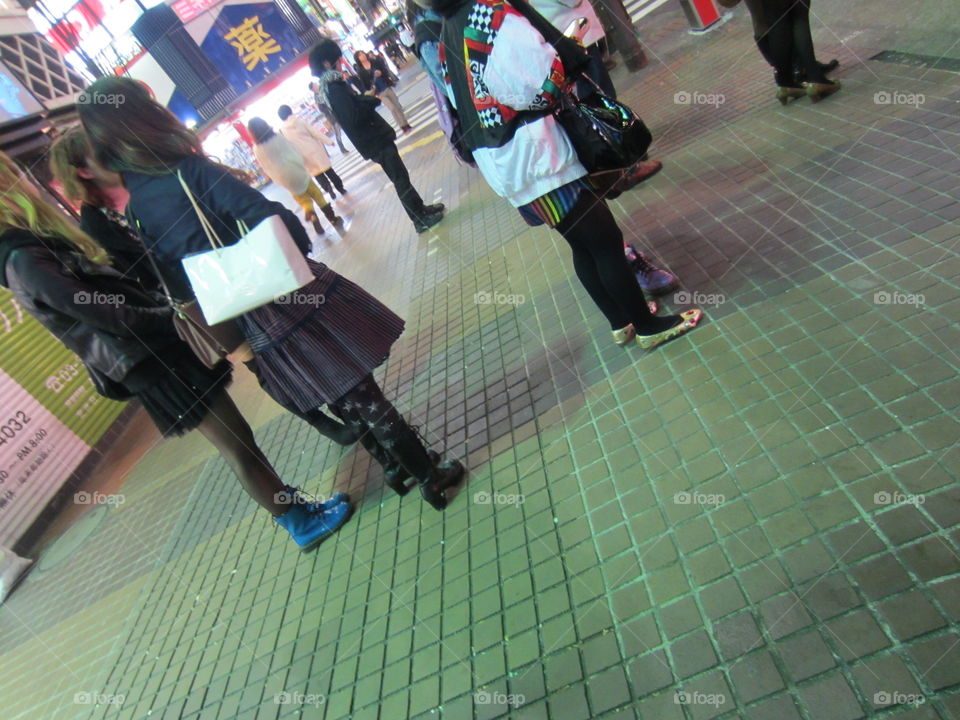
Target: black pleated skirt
(176, 389)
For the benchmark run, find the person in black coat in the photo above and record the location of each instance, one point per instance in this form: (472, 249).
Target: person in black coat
(319, 344)
(128, 343)
(370, 134)
(101, 194)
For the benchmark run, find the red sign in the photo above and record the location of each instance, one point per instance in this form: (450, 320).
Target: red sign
(186, 10)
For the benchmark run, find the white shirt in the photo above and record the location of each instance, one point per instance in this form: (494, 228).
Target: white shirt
(539, 157)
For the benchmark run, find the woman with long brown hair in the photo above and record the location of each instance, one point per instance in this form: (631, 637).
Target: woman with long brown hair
(322, 345)
(102, 199)
(127, 342)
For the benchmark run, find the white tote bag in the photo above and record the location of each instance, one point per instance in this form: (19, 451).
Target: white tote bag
(229, 280)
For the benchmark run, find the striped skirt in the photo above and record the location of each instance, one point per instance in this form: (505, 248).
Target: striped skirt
(312, 358)
(551, 208)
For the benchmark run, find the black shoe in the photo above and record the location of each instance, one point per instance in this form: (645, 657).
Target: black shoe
(428, 221)
(444, 475)
(829, 67)
(435, 208)
(395, 476)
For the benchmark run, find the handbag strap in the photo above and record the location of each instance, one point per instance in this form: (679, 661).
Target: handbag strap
(140, 236)
(572, 55)
(177, 306)
(208, 230)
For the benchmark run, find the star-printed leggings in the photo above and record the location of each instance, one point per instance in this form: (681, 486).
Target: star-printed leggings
(382, 429)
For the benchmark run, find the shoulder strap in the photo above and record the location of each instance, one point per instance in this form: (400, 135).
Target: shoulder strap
(572, 55)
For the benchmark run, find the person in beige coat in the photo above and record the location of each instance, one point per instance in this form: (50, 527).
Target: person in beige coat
(285, 166)
(310, 141)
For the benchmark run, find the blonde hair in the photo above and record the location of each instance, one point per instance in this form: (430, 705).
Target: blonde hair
(71, 152)
(22, 209)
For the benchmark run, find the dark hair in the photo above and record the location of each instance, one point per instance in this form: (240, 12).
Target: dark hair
(284, 112)
(130, 131)
(324, 51)
(358, 53)
(260, 130)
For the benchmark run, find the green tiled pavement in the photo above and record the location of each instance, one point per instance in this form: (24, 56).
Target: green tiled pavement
(758, 521)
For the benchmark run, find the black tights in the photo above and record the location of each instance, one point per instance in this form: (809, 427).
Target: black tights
(597, 244)
(382, 429)
(784, 39)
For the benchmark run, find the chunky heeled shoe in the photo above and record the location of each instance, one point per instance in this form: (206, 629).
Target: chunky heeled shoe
(444, 475)
(789, 93)
(689, 320)
(395, 476)
(816, 91)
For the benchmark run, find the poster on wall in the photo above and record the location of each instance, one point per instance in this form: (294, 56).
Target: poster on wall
(50, 417)
(249, 42)
(15, 100)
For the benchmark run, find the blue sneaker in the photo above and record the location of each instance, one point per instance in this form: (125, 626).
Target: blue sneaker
(310, 526)
(295, 495)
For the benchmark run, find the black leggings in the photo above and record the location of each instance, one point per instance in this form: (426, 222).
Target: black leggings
(382, 429)
(782, 33)
(602, 268)
(329, 180)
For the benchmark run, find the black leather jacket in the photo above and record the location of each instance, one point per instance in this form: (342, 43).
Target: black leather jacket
(106, 320)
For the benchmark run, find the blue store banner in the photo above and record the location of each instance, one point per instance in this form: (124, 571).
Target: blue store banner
(249, 42)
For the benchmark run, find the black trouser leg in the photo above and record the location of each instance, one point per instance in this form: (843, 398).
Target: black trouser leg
(598, 259)
(367, 411)
(389, 159)
(804, 56)
(773, 33)
(324, 183)
(335, 179)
